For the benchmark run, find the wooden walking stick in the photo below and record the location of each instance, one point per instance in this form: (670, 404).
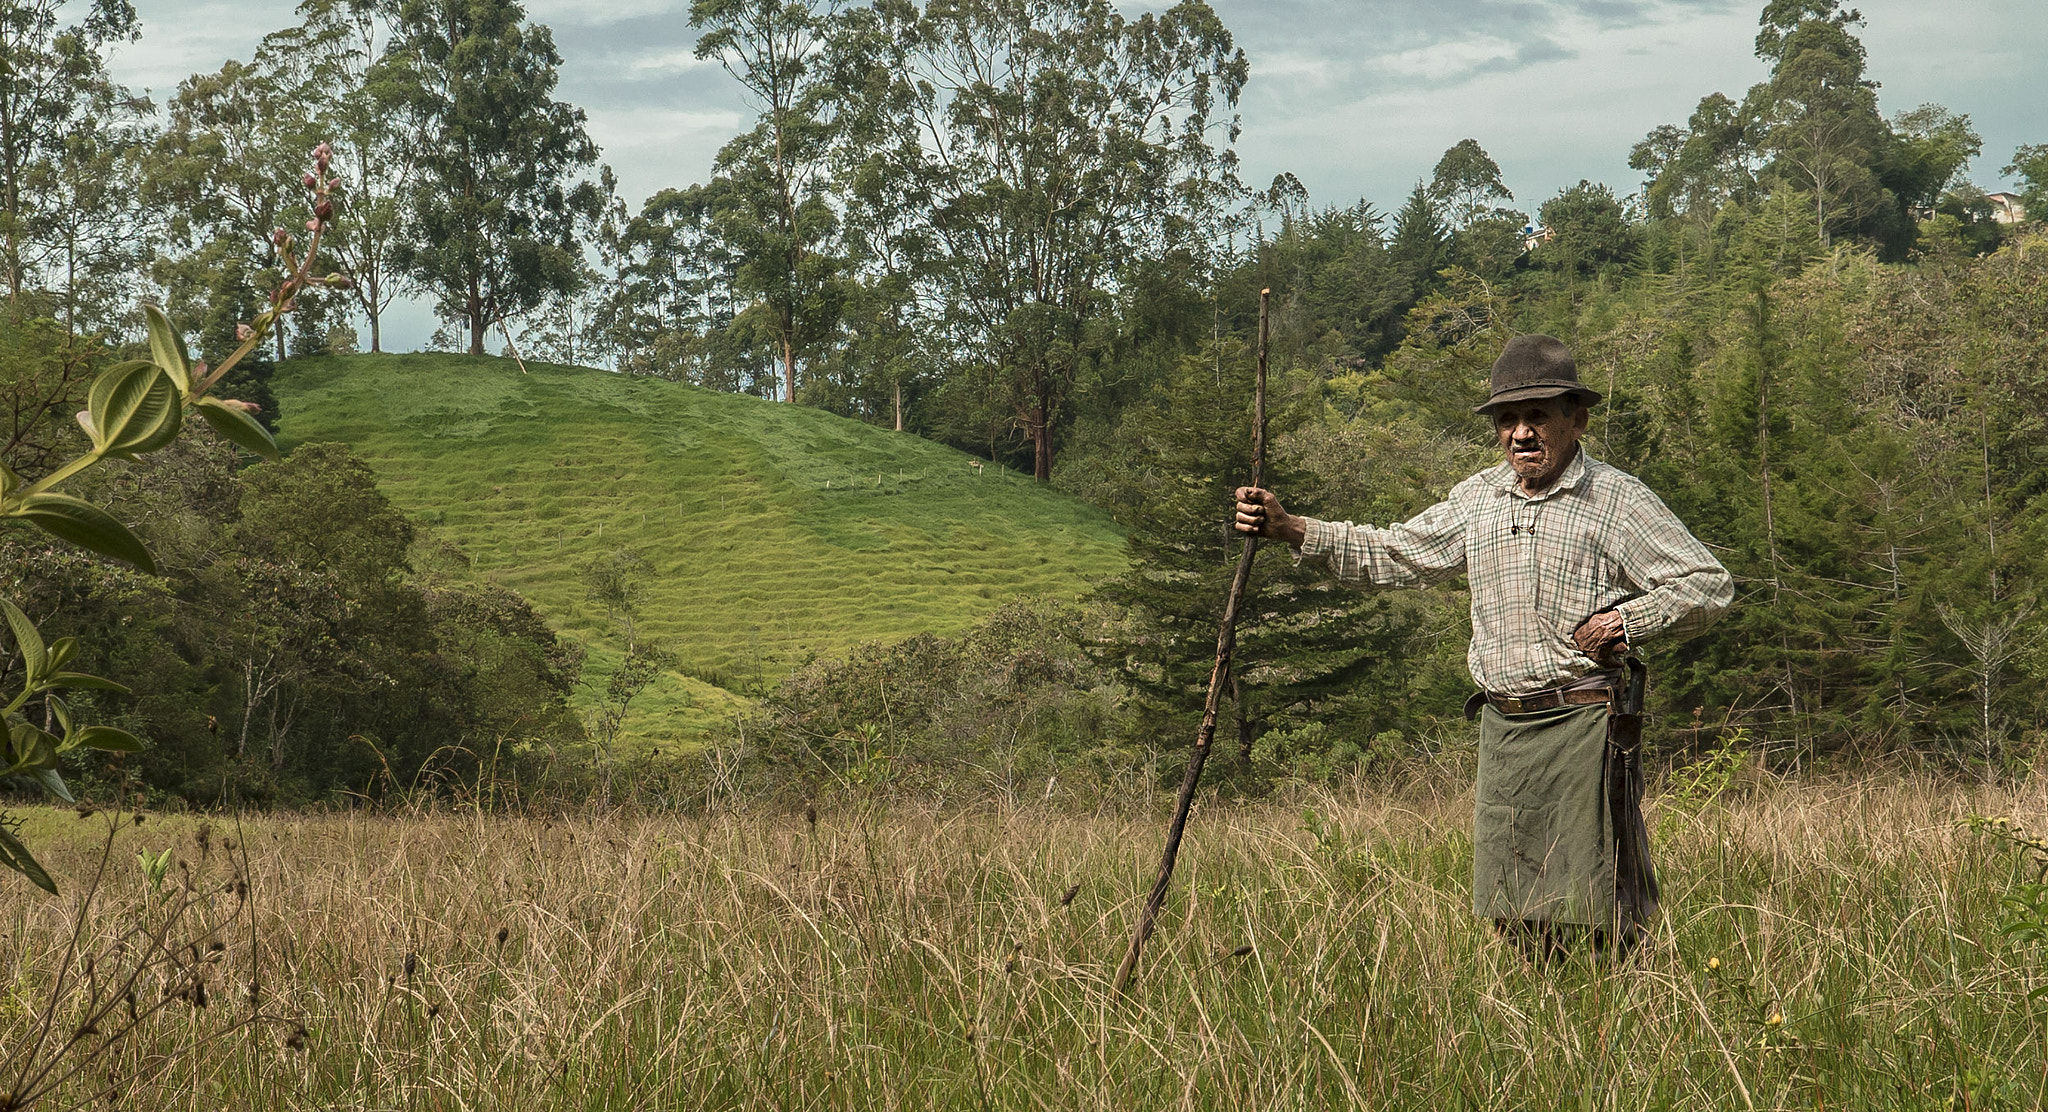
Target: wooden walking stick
(1226, 644)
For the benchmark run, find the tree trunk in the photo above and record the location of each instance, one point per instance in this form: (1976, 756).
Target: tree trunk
(376, 340)
(788, 369)
(476, 318)
(1041, 446)
(899, 407)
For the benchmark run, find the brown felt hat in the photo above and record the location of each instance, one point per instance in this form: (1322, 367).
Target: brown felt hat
(1532, 367)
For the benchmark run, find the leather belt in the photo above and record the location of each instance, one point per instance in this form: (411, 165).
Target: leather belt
(1545, 700)
(1538, 700)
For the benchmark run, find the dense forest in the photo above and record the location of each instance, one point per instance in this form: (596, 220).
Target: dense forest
(1018, 229)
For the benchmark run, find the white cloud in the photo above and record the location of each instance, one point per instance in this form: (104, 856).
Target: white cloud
(1448, 60)
(583, 13)
(658, 62)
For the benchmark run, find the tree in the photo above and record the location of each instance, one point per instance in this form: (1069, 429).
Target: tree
(668, 305)
(1819, 114)
(1694, 170)
(1932, 148)
(53, 82)
(775, 214)
(1420, 244)
(1055, 143)
(223, 172)
(1308, 647)
(132, 408)
(495, 212)
(2030, 165)
(88, 243)
(1466, 183)
(338, 50)
(1591, 230)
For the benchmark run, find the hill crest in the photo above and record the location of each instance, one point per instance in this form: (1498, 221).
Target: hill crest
(771, 532)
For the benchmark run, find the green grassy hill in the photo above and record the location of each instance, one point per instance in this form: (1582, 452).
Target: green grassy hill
(774, 531)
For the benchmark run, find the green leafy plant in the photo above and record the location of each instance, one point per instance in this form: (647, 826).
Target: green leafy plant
(132, 408)
(154, 868)
(1701, 784)
(2023, 912)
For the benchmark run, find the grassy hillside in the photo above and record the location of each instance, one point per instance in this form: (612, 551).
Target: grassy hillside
(773, 531)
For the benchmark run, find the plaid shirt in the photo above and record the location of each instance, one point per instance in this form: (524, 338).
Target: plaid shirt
(1597, 539)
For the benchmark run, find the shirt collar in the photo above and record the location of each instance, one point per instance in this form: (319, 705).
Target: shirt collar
(1574, 477)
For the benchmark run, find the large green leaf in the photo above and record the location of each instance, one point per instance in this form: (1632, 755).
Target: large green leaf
(167, 348)
(15, 856)
(53, 783)
(135, 407)
(29, 747)
(235, 423)
(105, 737)
(86, 526)
(79, 681)
(26, 639)
(9, 481)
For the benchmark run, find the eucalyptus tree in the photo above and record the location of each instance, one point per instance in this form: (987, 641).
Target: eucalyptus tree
(222, 174)
(337, 49)
(1694, 170)
(669, 305)
(61, 119)
(1047, 145)
(773, 209)
(1466, 182)
(1818, 113)
(89, 241)
(496, 216)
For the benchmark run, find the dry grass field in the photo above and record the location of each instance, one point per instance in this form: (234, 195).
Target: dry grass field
(1829, 945)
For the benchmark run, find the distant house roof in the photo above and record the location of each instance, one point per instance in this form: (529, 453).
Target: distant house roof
(2006, 207)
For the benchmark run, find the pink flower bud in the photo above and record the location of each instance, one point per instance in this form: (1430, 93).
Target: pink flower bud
(324, 210)
(322, 154)
(243, 332)
(246, 407)
(340, 282)
(312, 225)
(311, 181)
(199, 370)
(279, 237)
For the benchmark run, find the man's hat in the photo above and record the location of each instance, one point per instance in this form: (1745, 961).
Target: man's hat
(1532, 367)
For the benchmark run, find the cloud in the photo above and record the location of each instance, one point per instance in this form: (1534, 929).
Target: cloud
(582, 13)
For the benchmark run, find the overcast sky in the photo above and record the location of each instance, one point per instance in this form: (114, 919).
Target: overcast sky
(1357, 98)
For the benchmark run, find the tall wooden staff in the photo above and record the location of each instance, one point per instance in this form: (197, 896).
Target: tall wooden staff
(1226, 643)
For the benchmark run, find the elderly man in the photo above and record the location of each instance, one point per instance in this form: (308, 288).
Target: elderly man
(1572, 563)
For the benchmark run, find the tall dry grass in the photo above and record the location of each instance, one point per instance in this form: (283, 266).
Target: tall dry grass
(1828, 944)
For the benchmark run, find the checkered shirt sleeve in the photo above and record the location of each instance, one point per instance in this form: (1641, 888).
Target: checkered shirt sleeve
(1598, 539)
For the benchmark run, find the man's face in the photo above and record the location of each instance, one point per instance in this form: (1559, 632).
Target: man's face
(1539, 438)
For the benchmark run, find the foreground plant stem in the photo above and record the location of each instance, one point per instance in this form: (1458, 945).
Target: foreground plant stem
(1219, 678)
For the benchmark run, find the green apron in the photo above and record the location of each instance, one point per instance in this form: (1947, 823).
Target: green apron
(1543, 838)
